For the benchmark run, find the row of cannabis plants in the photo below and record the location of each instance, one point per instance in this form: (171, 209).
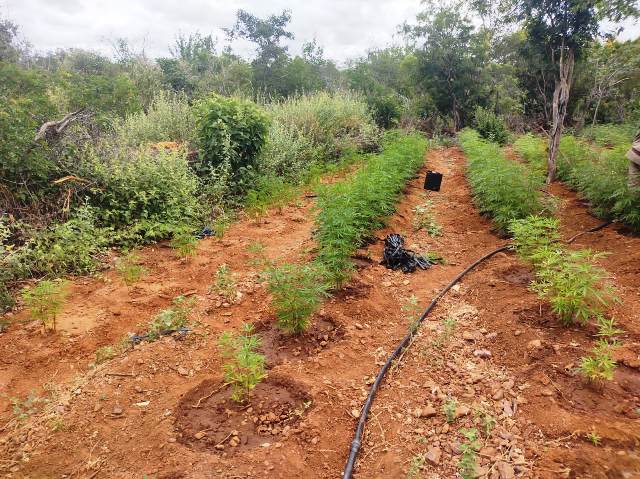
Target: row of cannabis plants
(597, 172)
(166, 173)
(575, 287)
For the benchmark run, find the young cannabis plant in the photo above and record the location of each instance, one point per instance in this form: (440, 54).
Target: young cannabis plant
(184, 243)
(129, 268)
(297, 290)
(600, 366)
(449, 409)
(594, 438)
(468, 463)
(244, 368)
(224, 283)
(423, 220)
(412, 312)
(533, 234)
(171, 319)
(45, 301)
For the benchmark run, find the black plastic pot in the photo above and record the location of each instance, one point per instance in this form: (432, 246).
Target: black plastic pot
(433, 181)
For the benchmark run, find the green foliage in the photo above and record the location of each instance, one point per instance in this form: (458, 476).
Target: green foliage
(594, 438)
(45, 301)
(386, 108)
(502, 189)
(609, 135)
(449, 409)
(600, 366)
(104, 354)
(129, 268)
(224, 283)
(169, 117)
(490, 126)
(350, 210)
(411, 308)
(173, 318)
(244, 368)
(423, 220)
(146, 197)
(269, 192)
(570, 280)
(185, 243)
(229, 131)
(533, 149)
(415, 467)
(468, 463)
(296, 293)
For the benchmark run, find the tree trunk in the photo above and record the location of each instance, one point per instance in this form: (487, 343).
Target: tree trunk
(559, 108)
(595, 113)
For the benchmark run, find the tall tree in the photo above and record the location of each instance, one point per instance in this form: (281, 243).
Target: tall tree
(560, 30)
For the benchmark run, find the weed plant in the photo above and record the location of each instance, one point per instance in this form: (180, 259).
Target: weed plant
(411, 308)
(349, 211)
(468, 463)
(423, 219)
(129, 268)
(600, 366)
(297, 290)
(533, 150)
(185, 243)
(594, 438)
(171, 319)
(449, 409)
(45, 301)
(225, 283)
(415, 467)
(609, 135)
(490, 126)
(502, 189)
(244, 367)
(104, 354)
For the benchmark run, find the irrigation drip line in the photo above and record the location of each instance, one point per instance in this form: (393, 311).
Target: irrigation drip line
(590, 230)
(357, 440)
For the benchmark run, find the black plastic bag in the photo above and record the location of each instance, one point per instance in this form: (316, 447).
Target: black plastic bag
(395, 256)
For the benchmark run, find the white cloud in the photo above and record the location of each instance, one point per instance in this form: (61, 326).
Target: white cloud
(345, 28)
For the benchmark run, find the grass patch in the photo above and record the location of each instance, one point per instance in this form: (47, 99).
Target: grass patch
(502, 189)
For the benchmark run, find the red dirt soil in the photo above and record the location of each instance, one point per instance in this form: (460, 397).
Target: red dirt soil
(142, 420)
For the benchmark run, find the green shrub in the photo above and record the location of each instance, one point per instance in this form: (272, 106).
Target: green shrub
(184, 242)
(229, 130)
(296, 293)
(502, 189)
(129, 268)
(490, 126)
(533, 149)
(45, 301)
(145, 197)
(350, 210)
(386, 108)
(171, 319)
(168, 118)
(534, 233)
(332, 122)
(244, 367)
(600, 366)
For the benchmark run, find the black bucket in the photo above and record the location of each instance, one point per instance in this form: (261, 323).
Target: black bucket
(433, 181)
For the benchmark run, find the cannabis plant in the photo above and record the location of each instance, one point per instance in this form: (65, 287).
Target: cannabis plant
(129, 268)
(45, 301)
(171, 319)
(469, 459)
(244, 367)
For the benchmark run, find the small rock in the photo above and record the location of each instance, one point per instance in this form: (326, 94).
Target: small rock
(117, 410)
(462, 411)
(491, 335)
(358, 325)
(428, 411)
(468, 336)
(482, 353)
(433, 455)
(546, 392)
(355, 413)
(220, 447)
(498, 395)
(183, 371)
(199, 435)
(534, 344)
(97, 407)
(505, 470)
(517, 332)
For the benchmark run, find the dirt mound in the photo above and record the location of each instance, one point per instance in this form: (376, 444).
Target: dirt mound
(207, 417)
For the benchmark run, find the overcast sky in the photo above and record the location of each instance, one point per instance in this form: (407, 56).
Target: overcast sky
(345, 28)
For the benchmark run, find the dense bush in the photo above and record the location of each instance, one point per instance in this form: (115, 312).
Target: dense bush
(145, 194)
(350, 210)
(502, 189)
(168, 118)
(229, 131)
(490, 126)
(333, 123)
(599, 175)
(386, 108)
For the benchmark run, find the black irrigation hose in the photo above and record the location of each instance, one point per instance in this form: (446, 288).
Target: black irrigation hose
(357, 440)
(590, 230)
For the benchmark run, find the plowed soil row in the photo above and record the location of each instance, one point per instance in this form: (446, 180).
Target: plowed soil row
(162, 410)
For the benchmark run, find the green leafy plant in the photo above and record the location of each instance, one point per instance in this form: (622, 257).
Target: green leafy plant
(297, 290)
(594, 438)
(415, 466)
(45, 301)
(448, 327)
(412, 312)
(224, 283)
(231, 131)
(104, 354)
(185, 243)
(129, 268)
(468, 463)
(244, 367)
(600, 366)
(490, 126)
(171, 319)
(502, 189)
(449, 409)
(423, 220)
(534, 233)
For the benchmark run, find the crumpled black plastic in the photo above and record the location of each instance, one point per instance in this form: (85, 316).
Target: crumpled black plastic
(395, 256)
